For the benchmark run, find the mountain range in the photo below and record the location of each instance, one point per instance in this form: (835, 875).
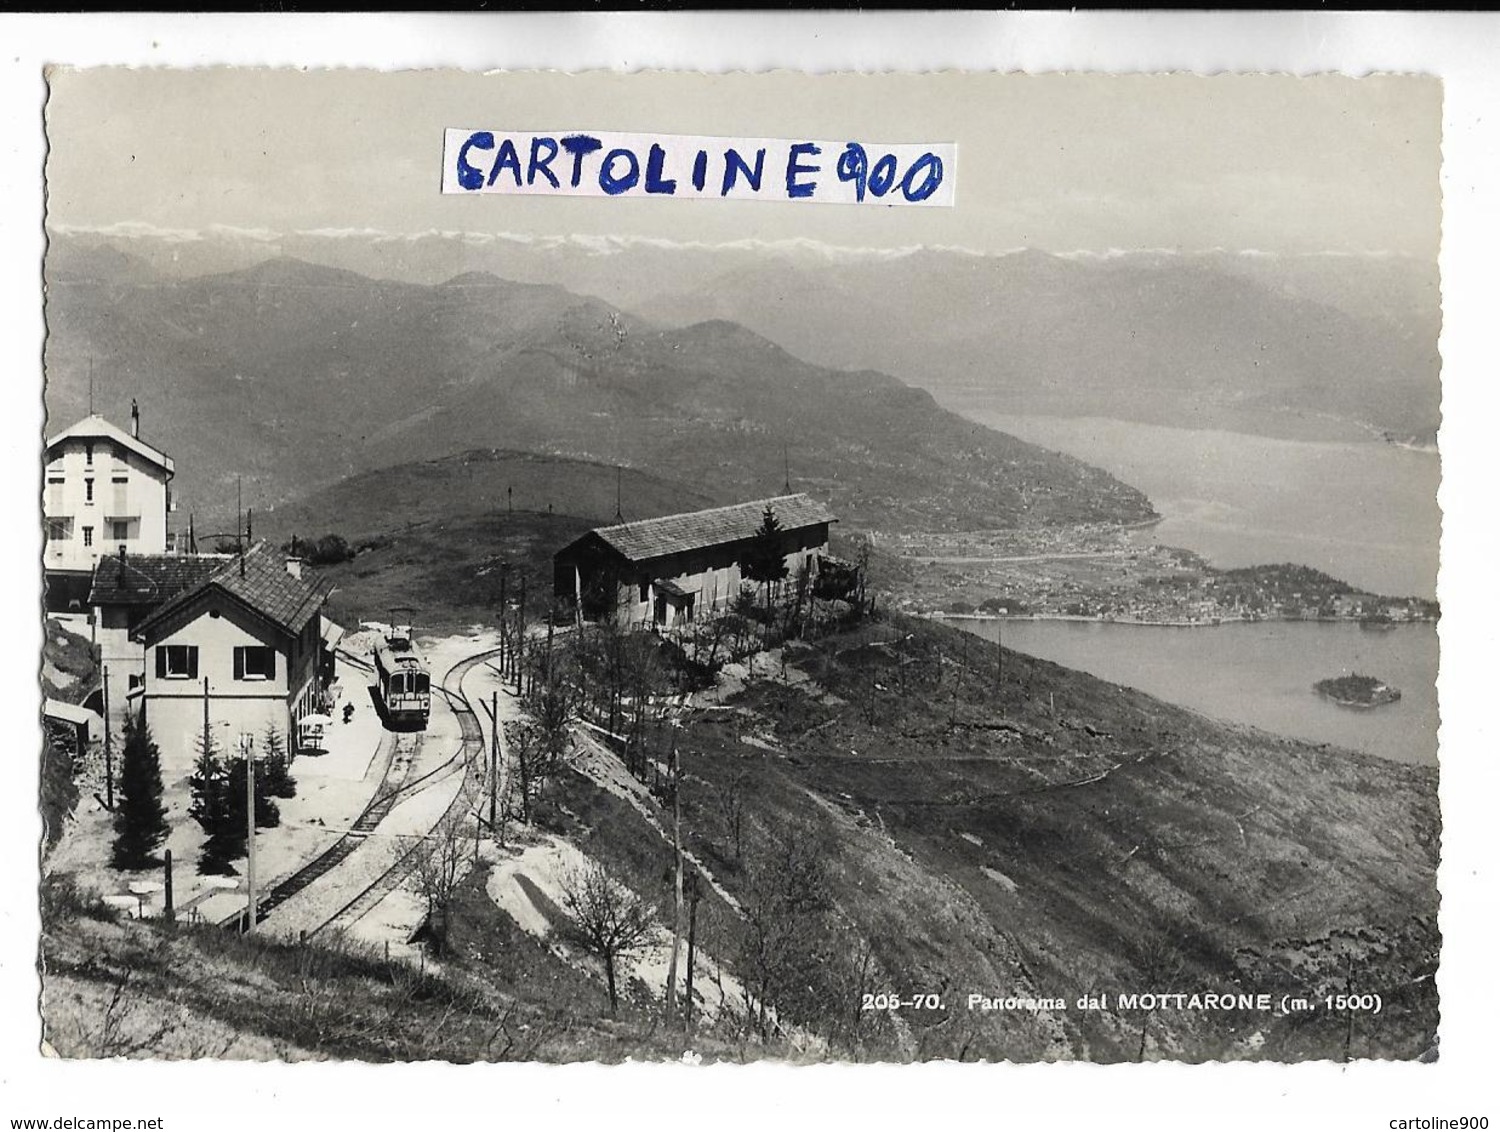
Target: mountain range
(1309, 346)
(283, 377)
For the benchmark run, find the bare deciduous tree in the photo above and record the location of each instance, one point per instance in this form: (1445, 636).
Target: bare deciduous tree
(440, 868)
(730, 799)
(786, 898)
(609, 919)
(535, 761)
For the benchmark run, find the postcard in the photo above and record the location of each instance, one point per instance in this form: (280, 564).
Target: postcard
(522, 585)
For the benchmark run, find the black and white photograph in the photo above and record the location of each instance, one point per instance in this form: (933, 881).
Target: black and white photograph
(519, 583)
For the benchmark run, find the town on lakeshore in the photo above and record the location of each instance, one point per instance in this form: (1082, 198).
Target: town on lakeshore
(1104, 573)
(466, 643)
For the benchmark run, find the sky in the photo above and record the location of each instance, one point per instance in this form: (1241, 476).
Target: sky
(1058, 162)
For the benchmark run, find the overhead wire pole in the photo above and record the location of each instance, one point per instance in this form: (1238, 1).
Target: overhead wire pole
(677, 879)
(492, 709)
(247, 748)
(109, 762)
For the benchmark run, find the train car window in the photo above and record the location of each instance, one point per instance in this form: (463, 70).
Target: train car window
(421, 683)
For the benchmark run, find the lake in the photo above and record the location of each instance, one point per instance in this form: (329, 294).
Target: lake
(1258, 673)
(1365, 512)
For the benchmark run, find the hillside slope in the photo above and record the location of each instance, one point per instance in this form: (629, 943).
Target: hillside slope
(1044, 833)
(969, 823)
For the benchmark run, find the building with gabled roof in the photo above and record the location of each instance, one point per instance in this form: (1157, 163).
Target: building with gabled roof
(242, 648)
(665, 570)
(126, 589)
(105, 488)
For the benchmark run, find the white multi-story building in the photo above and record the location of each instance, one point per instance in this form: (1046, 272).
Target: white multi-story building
(106, 490)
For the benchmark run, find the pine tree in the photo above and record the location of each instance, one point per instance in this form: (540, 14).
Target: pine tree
(277, 765)
(213, 809)
(765, 558)
(140, 816)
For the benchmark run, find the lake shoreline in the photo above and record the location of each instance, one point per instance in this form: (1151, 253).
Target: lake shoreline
(1259, 673)
(1207, 623)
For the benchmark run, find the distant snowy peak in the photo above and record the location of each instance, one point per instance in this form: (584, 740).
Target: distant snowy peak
(611, 244)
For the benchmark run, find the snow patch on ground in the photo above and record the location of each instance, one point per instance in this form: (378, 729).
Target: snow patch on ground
(999, 878)
(972, 839)
(546, 866)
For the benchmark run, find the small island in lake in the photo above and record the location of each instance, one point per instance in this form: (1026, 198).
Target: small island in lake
(1357, 691)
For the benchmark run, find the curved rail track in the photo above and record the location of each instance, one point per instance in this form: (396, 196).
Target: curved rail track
(398, 752)
(469, 761)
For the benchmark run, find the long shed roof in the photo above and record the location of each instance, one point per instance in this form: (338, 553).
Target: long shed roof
(693, 530)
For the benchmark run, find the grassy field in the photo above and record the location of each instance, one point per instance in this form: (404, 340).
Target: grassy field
(449, 571)
(438, 535)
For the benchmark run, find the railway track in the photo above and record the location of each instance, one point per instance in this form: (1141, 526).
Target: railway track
(400, 753)
(469, 762)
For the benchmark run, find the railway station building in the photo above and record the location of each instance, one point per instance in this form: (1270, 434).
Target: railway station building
(671, 569)
(125, 590)
(245, 646)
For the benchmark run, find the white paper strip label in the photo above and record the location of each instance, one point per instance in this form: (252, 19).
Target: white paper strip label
(582, 163)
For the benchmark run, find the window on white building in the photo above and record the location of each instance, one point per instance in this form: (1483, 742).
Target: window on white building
(88, 536)
(88, 453)
(254, 662)
(119, 529)
(88, 490)
(177, 662)
(55, 482)
(59, 530)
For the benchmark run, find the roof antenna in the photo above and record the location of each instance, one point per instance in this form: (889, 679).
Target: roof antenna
(239, 526)
(619, 476)
(786, 463)
(91, 385)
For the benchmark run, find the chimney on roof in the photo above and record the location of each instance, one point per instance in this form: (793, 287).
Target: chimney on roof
(122, 562)
(135, 419)
(294, 566)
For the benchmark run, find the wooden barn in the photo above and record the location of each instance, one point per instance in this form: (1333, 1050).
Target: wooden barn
(662, 571)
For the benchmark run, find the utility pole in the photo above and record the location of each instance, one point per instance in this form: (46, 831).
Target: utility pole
(504, 624)
(169, 911)
(521, 634)
(494, 759)
(694, 894)
(109, 762)
(248, 749)
(676, 881)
